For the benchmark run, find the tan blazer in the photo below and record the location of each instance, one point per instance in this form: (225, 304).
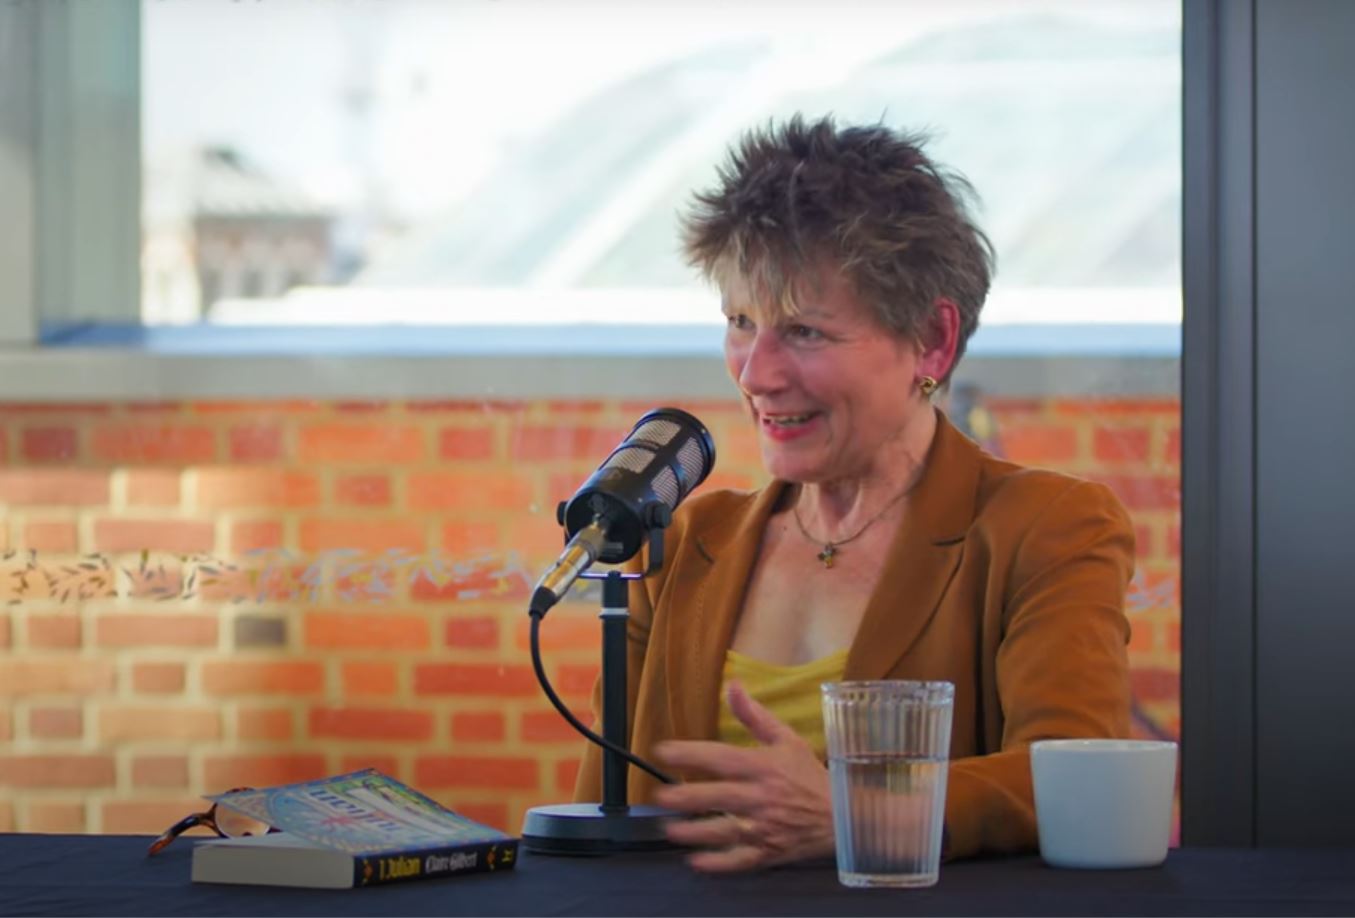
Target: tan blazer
(1008, 582)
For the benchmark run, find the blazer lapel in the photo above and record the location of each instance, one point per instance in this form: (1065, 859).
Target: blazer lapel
(708, 605)
(923, 557)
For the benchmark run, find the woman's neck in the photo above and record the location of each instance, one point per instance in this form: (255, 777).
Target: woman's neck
(841, 505)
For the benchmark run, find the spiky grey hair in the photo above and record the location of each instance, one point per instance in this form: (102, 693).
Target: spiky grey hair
(864, 199)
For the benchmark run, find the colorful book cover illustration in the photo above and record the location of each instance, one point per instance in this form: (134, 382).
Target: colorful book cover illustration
(393, 831)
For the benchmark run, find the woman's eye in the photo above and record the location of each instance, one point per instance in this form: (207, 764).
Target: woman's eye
(740, 322)
(804, 333)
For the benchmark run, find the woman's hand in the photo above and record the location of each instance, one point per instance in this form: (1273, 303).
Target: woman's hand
(774, 802)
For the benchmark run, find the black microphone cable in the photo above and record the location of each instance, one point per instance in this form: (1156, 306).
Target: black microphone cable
(574, 721)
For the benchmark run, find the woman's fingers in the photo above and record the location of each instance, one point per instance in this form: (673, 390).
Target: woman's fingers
(764, 726)
(711, 797)
(723, 831)
(719, 759)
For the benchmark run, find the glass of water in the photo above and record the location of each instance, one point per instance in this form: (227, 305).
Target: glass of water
(888, 746)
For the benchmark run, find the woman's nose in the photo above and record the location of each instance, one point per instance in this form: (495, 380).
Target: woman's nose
(762, 369)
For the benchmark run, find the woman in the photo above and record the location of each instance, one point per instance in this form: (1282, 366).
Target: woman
(888, 546)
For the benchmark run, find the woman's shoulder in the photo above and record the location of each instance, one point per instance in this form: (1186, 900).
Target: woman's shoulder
(1017, 496)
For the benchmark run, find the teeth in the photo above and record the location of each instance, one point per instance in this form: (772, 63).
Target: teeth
(786, 420)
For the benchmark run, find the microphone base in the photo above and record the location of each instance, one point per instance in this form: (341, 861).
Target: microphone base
(587, 829)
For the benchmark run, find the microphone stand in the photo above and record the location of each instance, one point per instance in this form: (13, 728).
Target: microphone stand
(614, 825)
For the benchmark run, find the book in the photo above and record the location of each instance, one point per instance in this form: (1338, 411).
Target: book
(357, 829)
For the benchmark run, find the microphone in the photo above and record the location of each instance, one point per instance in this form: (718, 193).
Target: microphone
(666, 455)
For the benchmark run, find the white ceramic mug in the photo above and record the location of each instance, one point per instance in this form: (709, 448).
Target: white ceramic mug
(1103, 803)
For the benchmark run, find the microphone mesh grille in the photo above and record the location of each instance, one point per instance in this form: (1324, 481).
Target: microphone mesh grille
(632, 459)
(691, 457)
(658, 431)
(666, 486)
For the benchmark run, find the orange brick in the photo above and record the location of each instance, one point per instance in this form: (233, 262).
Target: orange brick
(75, 675)
(367, 631)
(1117, 406)
(546, 727)
(51, 536)
(6, 724)
(123, 724)
(473, 679)
(164, 407)
(53, 631)
(31, 408)
(353, 407)
(178, 536)
(464, 540)
(563, 632)
(1174, 541)
(157, 678)
(252, 535)
(470, 490)
(386, 764)
(219, 488)
(478, 726)
(59, 487)
(371, 724)
(255, 443)
(499, 773)
(536, 537)
(363, 678)
(1171, 452)
(531, 442)
(264, 724)
(151, 817)
(1154, 684)
(460, 443)
(566, 775)
(6, 811)
(6, 638)
(1039, 444)
(160, 771)
(472, 633)
(363, 490)
(343, 442)
(371, 536)
(224, 772)
(1121, 444)
(153, 487)
(50, 444)
(56, 723)
(240, 677)
(56, 816)
(70, 770)
(187, 444)
(576, 679)
(1172, 632)
(134, 630)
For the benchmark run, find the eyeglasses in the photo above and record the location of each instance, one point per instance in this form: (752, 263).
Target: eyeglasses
(226, 824)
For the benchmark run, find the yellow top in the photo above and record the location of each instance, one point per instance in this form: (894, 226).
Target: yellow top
(789, 692)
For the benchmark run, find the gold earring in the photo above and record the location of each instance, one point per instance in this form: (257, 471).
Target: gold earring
(928, 385)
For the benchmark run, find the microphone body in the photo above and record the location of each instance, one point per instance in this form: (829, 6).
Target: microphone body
(665, 456)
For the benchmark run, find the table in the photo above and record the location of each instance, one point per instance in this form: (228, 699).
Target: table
(110, 875)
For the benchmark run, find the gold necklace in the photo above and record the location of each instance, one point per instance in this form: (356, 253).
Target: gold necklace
(831, 546)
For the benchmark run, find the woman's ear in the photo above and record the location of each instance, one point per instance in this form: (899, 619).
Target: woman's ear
(940, 339)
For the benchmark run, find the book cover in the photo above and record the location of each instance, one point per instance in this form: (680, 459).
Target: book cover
(357, 829)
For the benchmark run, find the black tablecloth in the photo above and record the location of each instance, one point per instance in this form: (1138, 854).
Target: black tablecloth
(110, 875)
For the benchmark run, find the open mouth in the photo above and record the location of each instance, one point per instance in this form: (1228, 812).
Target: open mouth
(788, 421)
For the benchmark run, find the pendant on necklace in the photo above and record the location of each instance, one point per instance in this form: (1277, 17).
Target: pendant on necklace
(827, 555)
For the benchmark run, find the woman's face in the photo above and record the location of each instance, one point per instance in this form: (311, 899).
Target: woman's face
(830, 389)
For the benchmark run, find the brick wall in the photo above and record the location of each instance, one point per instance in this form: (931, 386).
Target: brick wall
(203, 595)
